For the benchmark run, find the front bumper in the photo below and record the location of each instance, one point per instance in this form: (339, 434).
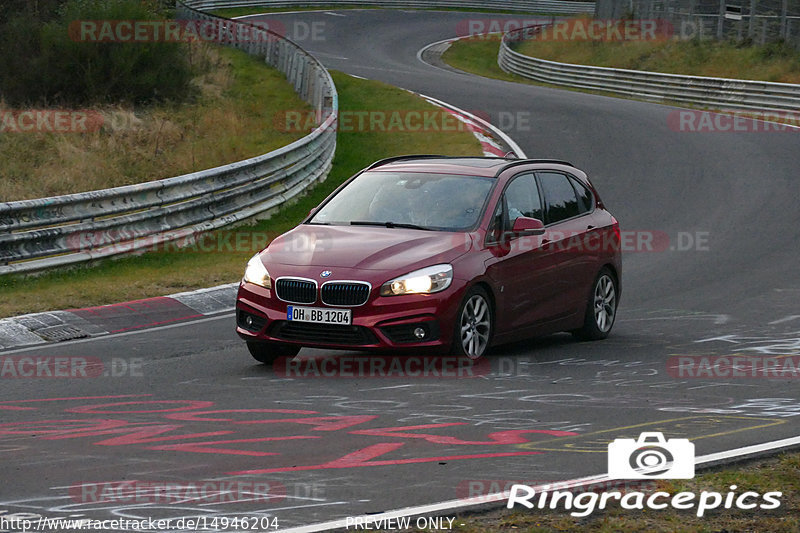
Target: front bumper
(383, 323)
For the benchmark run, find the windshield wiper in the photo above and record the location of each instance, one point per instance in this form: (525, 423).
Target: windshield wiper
(387, 224)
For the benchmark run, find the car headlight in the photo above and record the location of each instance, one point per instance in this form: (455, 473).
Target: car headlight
(424, 281)
(257, 273)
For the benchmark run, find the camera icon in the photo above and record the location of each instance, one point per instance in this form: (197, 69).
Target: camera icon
(651, 457)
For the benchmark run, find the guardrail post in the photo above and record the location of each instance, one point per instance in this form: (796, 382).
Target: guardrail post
(751, 24)
(784, 9)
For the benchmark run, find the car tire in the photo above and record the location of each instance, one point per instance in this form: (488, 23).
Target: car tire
(269, 352)
(474, 325)
(601, 308)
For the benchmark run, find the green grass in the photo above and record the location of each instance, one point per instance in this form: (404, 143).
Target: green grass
(781, 473)
(233, 12)
(774, 62)
(721, 59)
(478, 55)
(231, 120)
(164, 272)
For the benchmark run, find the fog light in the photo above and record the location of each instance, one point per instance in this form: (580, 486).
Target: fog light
(419, 333)
(248, 320)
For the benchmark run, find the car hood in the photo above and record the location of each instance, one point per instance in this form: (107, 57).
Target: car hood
(365, 247)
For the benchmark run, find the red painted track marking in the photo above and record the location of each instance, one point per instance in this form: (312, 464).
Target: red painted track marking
(203, 447)
(91, 409)
(360, 458)
(79, 398)
(320, 423)
(192, 417)
(132, 435)
(513, 436)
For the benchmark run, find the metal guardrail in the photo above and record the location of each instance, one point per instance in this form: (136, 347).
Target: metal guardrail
(63, 230)
(557, 7)
(719, 93)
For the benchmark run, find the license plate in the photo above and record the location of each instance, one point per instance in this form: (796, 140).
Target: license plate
(318, 315)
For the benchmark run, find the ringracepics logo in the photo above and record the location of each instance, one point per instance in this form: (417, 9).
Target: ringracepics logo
(651, 456)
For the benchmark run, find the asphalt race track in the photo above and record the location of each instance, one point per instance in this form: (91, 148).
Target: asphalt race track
(713, 270)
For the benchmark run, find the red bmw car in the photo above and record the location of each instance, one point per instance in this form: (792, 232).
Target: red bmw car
(454, 254)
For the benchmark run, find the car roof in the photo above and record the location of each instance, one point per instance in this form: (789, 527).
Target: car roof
(474, 166)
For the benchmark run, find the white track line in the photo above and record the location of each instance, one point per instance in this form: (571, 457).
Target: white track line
(489, 126)
(30, 347)
(463, 504)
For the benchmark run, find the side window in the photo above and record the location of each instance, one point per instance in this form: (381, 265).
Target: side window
(562, 202)
(522, 199)
(585, 198)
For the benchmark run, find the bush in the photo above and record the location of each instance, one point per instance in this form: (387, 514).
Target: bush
(43, 65)
(39, 9)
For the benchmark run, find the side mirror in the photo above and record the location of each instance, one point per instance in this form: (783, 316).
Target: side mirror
(526, 226)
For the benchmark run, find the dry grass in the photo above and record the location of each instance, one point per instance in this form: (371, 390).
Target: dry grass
(231, 120)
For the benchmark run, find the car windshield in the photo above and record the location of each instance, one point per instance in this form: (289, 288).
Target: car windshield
(445, 202)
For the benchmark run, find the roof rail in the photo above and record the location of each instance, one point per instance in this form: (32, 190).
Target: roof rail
(529, 161)
(512, 162)
(387, 160)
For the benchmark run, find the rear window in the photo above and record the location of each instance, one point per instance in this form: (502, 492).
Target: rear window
(585, 198)
(559, 196)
